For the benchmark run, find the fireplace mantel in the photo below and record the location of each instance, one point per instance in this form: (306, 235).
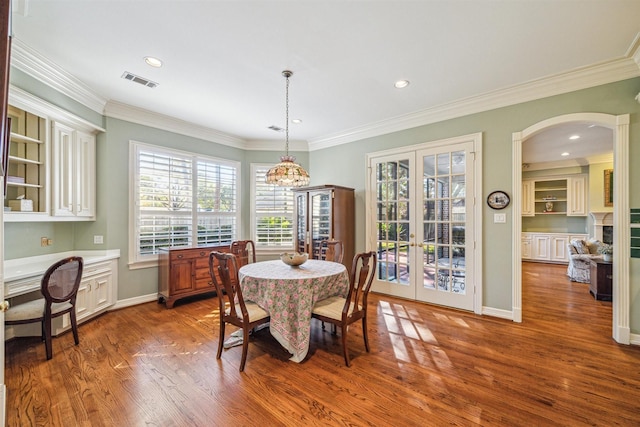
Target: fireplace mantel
(600, 220)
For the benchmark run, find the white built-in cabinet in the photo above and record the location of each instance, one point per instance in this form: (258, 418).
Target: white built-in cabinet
(577, 191)
(566, 195)
(52, 162)
(95, 291)
(73, 172)
(547, 247)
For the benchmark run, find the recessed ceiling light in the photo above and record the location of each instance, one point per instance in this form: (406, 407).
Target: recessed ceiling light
(296, 121)
(401, 84)
(154, 62)
(574, 137)
(565, 154)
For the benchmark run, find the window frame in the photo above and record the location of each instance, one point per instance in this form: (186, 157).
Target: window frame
(264, 249)
(136, 260)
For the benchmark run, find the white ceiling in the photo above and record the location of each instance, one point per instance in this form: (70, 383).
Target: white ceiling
(223, 59)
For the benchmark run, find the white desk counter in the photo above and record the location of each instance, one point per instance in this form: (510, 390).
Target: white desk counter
(98, 288)
(22, 275)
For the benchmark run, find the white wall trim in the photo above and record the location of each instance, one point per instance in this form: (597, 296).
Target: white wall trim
(37, 66)
(496, 312)
(26, 101)
(129, 302)
(118, 110)
(582, 78)
(621, 298)
(29, 61)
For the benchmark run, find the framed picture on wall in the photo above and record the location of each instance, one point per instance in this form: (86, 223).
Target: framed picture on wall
(608, 187)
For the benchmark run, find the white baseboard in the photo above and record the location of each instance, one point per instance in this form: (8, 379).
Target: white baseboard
(496, 312)
(134, 301)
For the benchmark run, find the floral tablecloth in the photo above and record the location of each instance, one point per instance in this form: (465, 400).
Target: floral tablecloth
(289, 293)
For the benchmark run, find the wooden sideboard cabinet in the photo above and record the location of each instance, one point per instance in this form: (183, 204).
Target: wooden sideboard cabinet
(325, 212)
(184, 272)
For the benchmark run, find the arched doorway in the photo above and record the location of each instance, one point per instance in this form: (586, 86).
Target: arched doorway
(620, 126)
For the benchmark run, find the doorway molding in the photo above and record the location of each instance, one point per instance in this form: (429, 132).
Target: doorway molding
(621, 331)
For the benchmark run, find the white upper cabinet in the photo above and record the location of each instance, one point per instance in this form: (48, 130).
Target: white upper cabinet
(557, 195)
(577, 195)
(52, 162)
(528, 197)
(73, 173)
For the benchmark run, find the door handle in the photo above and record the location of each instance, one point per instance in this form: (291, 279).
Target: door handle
(4, 306)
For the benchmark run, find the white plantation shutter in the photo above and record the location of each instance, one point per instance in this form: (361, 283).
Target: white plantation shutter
(273, 212)
(181, 199)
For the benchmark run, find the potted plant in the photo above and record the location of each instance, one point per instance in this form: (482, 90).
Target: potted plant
(607, 251)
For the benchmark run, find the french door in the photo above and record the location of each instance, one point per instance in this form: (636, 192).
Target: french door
(422, 223)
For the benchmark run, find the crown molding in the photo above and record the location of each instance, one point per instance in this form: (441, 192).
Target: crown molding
(37, 66)
(271, 145)
(592, 160)
(26, 101)
(29, 61)
(118, 110)
(582, 78)
(634, 50)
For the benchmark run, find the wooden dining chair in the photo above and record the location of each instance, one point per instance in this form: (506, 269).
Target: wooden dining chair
(59, 286)
(244, 250)
(243, 314)
(342, 312)
(333, 250)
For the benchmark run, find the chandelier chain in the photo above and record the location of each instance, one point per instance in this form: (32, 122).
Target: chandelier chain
(287, 116)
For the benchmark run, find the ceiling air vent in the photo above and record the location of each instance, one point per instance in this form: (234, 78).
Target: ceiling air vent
(137, 79)
(276, 128)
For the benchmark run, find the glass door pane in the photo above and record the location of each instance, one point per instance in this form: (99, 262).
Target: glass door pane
(320, 217)
(444, 228)
(393, 225)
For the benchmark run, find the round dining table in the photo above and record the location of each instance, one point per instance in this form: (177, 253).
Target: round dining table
(289, 293)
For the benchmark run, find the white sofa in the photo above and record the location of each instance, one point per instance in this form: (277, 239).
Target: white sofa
(580, 255)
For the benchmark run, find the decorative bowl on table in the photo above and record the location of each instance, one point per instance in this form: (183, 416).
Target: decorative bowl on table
(294, 259)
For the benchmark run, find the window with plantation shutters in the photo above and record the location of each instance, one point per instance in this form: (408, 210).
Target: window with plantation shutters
(181, 199)
(272, 208)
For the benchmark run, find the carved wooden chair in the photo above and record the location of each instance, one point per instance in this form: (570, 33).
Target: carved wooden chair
(243, 314)
(333, 250)
(59, 286)
(244, 250)
(342, 312)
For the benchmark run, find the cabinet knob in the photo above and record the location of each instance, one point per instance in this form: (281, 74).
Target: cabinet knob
(202, 253)
(180, 256)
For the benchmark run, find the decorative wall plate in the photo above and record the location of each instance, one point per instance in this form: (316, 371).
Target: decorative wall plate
(498, 200)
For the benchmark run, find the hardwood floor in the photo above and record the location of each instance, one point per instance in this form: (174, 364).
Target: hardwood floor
(429, 366)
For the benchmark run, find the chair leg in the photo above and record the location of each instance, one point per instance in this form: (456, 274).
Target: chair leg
(364, 333)
(47, 337)
(245, 347)
(345, 350)
(221, 338)
(74, 326)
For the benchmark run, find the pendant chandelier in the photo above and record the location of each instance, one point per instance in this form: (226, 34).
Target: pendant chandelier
(287, 173)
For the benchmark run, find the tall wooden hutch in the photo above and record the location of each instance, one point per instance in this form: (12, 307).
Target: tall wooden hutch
(325, 212)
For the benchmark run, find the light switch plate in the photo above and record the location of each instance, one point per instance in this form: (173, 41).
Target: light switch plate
(499, 218)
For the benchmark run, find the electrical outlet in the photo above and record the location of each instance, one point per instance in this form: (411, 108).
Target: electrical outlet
(49, 242)
(44, 241)
(98, 240)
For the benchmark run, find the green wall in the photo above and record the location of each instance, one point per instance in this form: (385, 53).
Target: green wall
(497, 127)
(340, 165)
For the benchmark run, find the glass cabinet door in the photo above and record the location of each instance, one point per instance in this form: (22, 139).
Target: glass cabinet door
(301, 222)
(320, 217)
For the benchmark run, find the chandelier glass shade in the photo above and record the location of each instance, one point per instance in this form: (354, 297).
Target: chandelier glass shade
(287, 173)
